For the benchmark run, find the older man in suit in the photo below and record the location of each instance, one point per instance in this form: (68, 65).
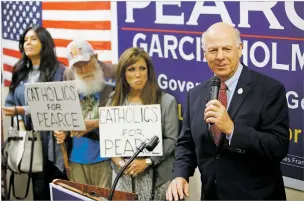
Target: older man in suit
(239, 154)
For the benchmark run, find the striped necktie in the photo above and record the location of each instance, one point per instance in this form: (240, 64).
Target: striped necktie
(215, 132)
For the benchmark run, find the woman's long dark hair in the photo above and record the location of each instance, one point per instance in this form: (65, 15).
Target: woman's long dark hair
(151, 93)
(48, 59)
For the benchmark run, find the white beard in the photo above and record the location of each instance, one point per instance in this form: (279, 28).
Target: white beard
(96, 84)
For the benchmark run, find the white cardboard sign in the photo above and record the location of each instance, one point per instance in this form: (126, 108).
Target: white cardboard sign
(54, 106)
(123, 128)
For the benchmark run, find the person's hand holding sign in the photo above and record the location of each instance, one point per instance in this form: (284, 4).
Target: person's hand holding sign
(60, 136)
(13, 111)
(136, 167)
(89, 124)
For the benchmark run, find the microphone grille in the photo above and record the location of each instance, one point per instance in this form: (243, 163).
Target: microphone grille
(215, 81)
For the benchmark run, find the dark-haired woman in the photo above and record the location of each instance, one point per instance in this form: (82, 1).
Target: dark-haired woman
(136, 84)
(38, 63)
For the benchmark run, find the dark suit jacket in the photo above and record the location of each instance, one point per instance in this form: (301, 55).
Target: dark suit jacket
(250, 167)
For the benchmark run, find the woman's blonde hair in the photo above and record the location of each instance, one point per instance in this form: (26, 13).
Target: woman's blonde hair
(151, 93)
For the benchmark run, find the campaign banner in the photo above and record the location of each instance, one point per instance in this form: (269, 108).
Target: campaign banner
(54, 106)
(124, 128)
(272, 36)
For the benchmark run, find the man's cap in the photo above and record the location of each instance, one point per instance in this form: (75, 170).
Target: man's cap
(79, 50)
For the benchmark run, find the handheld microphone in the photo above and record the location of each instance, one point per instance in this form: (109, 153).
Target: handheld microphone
(215, 85)
(149, 146)
(152, 143)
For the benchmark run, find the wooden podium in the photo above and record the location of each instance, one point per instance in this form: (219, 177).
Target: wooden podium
(94, 192)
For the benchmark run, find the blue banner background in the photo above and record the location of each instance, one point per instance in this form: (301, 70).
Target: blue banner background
(196, 70)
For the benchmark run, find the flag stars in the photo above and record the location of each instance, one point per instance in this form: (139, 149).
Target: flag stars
(18, 15)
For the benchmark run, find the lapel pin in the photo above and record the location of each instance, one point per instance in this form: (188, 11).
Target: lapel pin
(240, 91)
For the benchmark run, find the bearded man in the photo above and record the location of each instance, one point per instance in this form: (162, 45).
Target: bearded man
(90, 75)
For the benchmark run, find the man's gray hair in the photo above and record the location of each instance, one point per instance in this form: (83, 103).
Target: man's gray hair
(237, 34)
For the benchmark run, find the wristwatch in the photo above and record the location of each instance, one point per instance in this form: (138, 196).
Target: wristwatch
(121, 163)
(148, 161)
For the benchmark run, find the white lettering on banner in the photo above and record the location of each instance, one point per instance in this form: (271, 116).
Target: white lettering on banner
(265, 7)
(167, 19)
(219, 9)
(123, 128)
(143, 38)
(54, 106)
(170, 46)
(245, 52)
(130, 6)
(293, 16)
(252, 55)
(174, 85)
(253, 50)
(175, 48)
(276, 65)
(181, 50)
(293, 100)
(155, 47)
(296, 52)
(172, 43)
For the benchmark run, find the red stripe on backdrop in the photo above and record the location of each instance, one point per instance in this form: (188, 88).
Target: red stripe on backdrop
(7, 83)
(90, 5)
(91, 25)
(12, 53)
(196, 32)
(64, 61)
(97, 45)
(8, 68)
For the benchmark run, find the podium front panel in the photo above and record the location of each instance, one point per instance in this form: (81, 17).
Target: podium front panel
(60, 193)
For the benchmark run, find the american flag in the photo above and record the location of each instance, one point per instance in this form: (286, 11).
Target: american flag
(92, 21)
